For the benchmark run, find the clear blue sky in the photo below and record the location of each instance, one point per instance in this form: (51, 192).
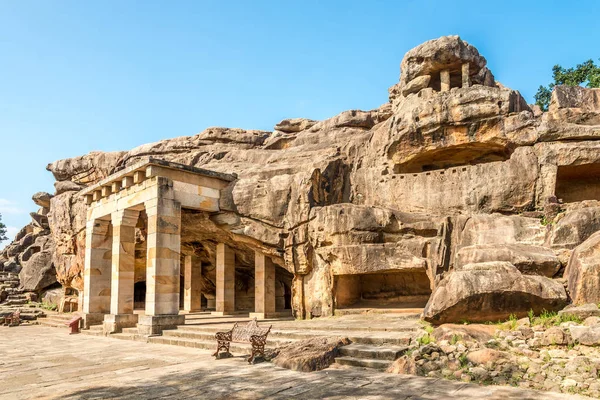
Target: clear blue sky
(77, 76)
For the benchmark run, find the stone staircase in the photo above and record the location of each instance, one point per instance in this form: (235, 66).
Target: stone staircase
(378, 357)
(17, 299)
(373, 346)
(55, 320)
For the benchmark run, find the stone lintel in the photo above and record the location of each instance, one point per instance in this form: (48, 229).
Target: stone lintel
(142, 166)
(154, 324)
(114, 323)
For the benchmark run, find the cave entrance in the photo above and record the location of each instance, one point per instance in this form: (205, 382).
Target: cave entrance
(454, 156)
(283, 289)
(139, 295)
(391, 289)
(578, 182)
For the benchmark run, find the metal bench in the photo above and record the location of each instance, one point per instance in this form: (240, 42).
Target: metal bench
(13, 319)
(250, 333)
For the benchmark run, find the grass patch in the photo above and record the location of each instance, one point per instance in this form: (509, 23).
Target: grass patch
(551, 318)
(424, 340)
(454, 339)
(48, 306)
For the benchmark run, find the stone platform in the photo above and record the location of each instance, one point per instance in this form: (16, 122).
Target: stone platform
(44, 363)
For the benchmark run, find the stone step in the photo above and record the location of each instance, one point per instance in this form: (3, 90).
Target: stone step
(51, 323)
(18, 302)
(380, 365)
(60, 317)
(208, 336)
(242, 348)
(389, 353)
(96, 328)
(129, 336)
(400, 338)
(20, 296)
(92, 332)
(403, 312)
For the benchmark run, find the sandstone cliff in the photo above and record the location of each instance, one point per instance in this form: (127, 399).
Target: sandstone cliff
(454, 181)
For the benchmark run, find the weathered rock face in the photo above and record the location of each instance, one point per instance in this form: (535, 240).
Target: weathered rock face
(385, 207)
(583, 272)
(529, 259)
(491, 292)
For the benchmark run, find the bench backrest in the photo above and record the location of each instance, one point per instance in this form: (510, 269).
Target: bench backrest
(243, 333)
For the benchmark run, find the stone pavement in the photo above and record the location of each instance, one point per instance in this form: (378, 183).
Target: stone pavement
(39, 362)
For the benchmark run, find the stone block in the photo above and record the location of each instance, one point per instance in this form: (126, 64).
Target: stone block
(114, 323)
(154, 324)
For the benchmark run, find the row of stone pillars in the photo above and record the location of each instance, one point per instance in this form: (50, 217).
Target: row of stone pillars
(445, 78)
(110, 268)
(264, 284)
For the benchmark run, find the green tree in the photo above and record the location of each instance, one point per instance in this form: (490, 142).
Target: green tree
(2, 230)
(587, 74)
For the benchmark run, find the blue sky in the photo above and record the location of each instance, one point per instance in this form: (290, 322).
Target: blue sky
(77, 76)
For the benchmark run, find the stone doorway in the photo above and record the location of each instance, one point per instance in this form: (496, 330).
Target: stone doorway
(391, 289)
(578, 182)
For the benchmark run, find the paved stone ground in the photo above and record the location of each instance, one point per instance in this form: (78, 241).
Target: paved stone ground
(46, 363)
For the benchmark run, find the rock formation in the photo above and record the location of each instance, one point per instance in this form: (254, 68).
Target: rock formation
(454, 182)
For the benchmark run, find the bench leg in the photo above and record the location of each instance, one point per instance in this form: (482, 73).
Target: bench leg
(258, 348)
(221, 345)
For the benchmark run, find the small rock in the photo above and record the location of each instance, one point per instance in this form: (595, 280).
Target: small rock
(567, 383)
(557, 353)
(591, 321)
(554, 336)
(582, 312)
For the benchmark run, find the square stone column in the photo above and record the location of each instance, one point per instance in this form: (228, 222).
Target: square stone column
(163, 257)
(123, 268)
(192, 274)
(264, 287)
(162, 261)
(445, 80)
(466, 79)
(97, 272)
(225, 302)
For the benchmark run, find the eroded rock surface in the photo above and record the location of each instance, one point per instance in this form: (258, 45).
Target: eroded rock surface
(454, 191)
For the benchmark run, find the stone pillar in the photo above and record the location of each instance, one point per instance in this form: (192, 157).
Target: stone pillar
(191, 289)
(445, 80)
(264, 287)
(123, 267)
(97, 272)
(466, 79)
(162, 261)
(225, 302)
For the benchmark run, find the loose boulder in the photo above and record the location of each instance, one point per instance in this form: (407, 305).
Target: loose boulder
(583, 272)
(38, 273)
(496, 290)
(529, 259)
(42, 199)
(582, 312)
(309, 355)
